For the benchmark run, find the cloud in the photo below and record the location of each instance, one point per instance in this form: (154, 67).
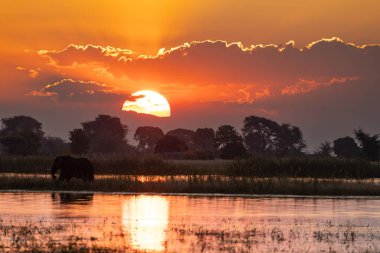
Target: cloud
(327, 88)
(80, 91)
(85, 54)
(303, 86)
(254, 72)
(32, 73)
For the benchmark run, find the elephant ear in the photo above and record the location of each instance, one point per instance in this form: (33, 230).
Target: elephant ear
(57, 163)
(60, 162)
(55, 167)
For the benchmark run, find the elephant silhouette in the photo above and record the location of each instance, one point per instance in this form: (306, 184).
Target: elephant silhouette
(72, 198)
(71, 167)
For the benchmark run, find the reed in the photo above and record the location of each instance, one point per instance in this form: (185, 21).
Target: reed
(315, 167)
(254, 166)
(119, 165)
(200, 184)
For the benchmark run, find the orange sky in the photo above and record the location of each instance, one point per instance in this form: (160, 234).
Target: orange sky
(207, 82)
(147, 25)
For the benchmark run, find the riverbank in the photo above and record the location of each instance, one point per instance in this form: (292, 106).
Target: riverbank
(257, 166)
(200, 184)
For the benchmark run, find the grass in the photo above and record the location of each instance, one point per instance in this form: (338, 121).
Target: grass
(41, 236)
(119, 165)
(314, 167)
(255, 175)
(254, 166)
(200, 184)
(243, 235)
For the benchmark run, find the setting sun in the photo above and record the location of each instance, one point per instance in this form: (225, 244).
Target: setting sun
(148, 102)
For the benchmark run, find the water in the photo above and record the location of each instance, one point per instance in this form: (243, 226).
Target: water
(156, 223)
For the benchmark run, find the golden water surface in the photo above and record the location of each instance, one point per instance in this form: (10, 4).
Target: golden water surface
(157, 223)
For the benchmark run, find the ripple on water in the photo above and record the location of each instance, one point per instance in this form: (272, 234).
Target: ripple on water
(158, 223)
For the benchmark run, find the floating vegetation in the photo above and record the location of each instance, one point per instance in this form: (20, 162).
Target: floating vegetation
(86, 222)
(74, 236)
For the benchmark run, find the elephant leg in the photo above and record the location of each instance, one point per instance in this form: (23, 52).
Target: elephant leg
(64, 177)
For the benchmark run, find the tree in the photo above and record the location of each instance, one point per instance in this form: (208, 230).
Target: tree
(170, 144)
(106, 134)
(260, 134)
(229, 142)
(148, 136)
(21, 135)
(346, 147)
(79, 142)
(204, 139)
(184, 135)
(233, 150)
(290, 140)
(53, 146)
(263, 135)
(370, 145)
(227, 134)
(325, 149)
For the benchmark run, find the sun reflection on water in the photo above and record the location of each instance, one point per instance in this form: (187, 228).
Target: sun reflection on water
(145, 218)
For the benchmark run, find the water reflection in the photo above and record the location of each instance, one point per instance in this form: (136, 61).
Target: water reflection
(145, 218)
(143, 223)
(72, 198)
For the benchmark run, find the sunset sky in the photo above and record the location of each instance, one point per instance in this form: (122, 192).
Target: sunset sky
(314, 64)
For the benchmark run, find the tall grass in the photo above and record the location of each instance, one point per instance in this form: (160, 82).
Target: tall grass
(25, 164)
(304, 167)
(119, 165)
(201, 184)
(252, 167)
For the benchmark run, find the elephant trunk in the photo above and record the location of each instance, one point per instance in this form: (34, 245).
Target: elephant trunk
(53, 174)
(54, 168)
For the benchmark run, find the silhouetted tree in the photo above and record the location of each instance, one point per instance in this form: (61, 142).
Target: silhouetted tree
(227, 134)
(290, 140)
(21, 135)
(260, 134)
(204, 139)
(229, 142)
(106, 134)
(233, 150)
(325, 149)
(148, 136)
(170, 144)
(53, 146)
(79, 142)
(370, 145)
(263, 135)
(185, 135)
(346, 147)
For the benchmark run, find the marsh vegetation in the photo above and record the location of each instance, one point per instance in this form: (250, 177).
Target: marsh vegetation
(256, 175)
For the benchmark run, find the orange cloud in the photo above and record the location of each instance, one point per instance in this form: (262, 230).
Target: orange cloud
(223, 71)
(32, 73)
(303, 86)
(80, 91)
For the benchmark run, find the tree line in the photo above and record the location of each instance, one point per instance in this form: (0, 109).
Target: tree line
(23, 135)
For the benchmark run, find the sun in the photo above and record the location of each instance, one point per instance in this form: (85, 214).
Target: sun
(148, 102)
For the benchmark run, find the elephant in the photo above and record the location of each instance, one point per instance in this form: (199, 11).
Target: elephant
(72, 198)
(72, 168)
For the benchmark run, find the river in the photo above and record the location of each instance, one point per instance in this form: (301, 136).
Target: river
(187, 223)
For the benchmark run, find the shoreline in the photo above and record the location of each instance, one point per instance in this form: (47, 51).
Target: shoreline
(198, 194)
(200, 184)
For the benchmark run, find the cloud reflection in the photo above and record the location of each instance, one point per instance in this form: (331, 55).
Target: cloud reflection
(145, 218)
